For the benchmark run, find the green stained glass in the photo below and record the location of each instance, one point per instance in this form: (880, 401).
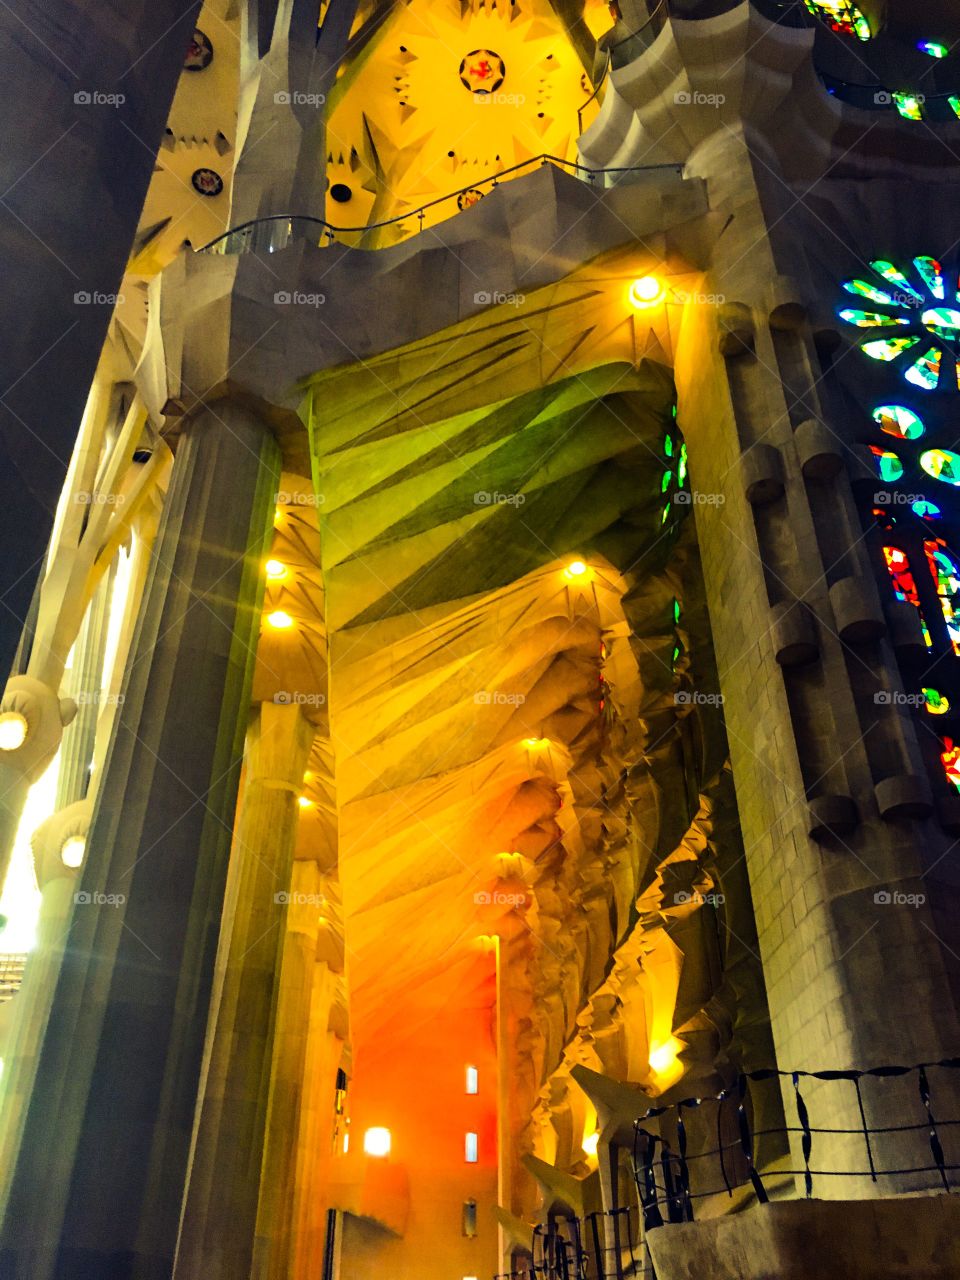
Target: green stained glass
(665, 482)
(676, 652)
(664, 514)
(891, 273)
(889, 466)
(925, 370)
(897, 420)
(682, 465)
(888, 348)
(925, 510)
(954, 105)
(932, 274)
(908, 105)
(943, 321)
(668, 446)
(933, 48)
(870, 319)
(676, 610)
(942, 464)
(864, 290)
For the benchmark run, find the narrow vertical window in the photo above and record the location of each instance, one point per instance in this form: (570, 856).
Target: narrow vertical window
(472, 1080)
(470, 1148)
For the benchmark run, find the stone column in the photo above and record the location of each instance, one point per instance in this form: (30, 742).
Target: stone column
(313, 955)
(98, 1185)
(221, 1207)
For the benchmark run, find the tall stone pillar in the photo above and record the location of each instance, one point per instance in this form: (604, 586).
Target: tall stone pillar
(220, 1213)
(97, 1189)
(313, 956)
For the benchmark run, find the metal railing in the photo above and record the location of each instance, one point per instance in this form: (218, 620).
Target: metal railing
(601, 1246)
(267, 235)
(673, 1173)
(657, 18)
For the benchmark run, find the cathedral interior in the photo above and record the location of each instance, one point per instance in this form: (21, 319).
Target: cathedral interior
(480, 741)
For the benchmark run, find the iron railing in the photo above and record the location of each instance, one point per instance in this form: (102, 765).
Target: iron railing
(672, 1175)
(601, 1246)
(269, 234)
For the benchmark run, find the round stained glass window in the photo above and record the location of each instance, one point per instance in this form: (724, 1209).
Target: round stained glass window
(897, 420)
(942, 464)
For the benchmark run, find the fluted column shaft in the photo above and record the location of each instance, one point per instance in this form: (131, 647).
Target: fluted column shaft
(220, 1213)
(98, 1185)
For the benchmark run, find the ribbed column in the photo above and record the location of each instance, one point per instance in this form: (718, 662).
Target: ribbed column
(98, 1186)
(221, 1208)
(309, 923)
(76, 747)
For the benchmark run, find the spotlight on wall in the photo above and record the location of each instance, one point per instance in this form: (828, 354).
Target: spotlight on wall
(275, 569)
(536, 744)
(664, 1058)
(13, 730)
(376, 1142)
(279, 620)
(590, 1143)
(304, 802)
(576, 569)
(646, 291)
(72, 851)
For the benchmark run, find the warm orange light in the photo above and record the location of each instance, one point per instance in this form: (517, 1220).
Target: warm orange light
(590, 1144)
(304, 802)
(377, 1142)
(279, 620)
(576, 569)
(536, 744)
(664, 1059)
(646, 291)
(276, 569)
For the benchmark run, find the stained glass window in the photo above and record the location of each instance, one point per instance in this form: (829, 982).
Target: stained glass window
(897, 420)
(904, 587)
(889, 466)
(942, 464)
(926, 510)
(911, 304)
(908, 104)
(933, 48)
(950, 757)
(841, 16)
(936, 703)
(946, 576)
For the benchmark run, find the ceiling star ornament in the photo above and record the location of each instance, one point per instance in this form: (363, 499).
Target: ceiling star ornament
(920, 323)
(482, 71)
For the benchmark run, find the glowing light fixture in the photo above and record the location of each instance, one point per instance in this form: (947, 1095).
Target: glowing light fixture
(304, 802)
(72, 851)
(376, 1142)
(536, 744)
(590, 1144)
(576, 569)
(473, 1080)
(647, 291)
(13, 730)
(470, 1148)
(664, 1058)
(276, 569)
(279, 620)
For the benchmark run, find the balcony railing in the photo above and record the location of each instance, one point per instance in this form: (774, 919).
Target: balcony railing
(677, 1172)
(12, 964)
(601, 1246)
(268, 235)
